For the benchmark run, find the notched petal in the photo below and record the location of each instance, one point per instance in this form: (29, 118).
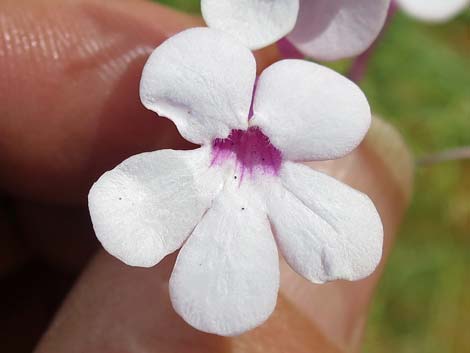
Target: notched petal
(325, 229)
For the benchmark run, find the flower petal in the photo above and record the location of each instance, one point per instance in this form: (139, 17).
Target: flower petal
(433, 10)
(310, 112)
(336, 29)
(203, 80)
(325, 229)
(256, 23)
(226, 277)
(148, 205)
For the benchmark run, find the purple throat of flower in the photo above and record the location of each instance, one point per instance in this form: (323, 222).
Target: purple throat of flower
(252, 151)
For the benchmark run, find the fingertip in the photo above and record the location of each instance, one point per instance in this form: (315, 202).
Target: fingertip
(111, 297)
(69, 97)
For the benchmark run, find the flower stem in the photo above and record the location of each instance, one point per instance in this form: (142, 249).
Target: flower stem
(359, 65)
(288, 50)
(454, 154)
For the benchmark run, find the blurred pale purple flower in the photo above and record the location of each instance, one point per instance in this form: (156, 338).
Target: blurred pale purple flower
(322, 29)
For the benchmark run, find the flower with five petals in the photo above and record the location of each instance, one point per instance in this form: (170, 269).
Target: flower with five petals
(232, 202)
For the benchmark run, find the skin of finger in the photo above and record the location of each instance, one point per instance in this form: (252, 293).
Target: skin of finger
(69, 89)
(115, 307)
(111, 298)
(340, 308)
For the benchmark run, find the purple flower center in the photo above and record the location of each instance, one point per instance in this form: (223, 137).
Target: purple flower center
(252, 151)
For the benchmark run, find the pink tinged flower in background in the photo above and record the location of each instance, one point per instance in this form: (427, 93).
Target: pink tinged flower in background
(433, 10)
(322, 29)
(223, 201)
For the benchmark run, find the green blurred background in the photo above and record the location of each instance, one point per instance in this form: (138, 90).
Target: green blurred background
(419, 80)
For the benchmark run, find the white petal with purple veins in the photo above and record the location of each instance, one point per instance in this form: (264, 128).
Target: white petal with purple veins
(310, 112)
(202, 79)
(255, 23)
(148, 205)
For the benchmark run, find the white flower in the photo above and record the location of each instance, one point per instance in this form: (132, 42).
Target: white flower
(222, 202)
(433, 10)
(323, 29)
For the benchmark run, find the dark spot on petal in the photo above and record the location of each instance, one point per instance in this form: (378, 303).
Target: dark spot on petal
(120, 198)
(235, 177)
(243, 208)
